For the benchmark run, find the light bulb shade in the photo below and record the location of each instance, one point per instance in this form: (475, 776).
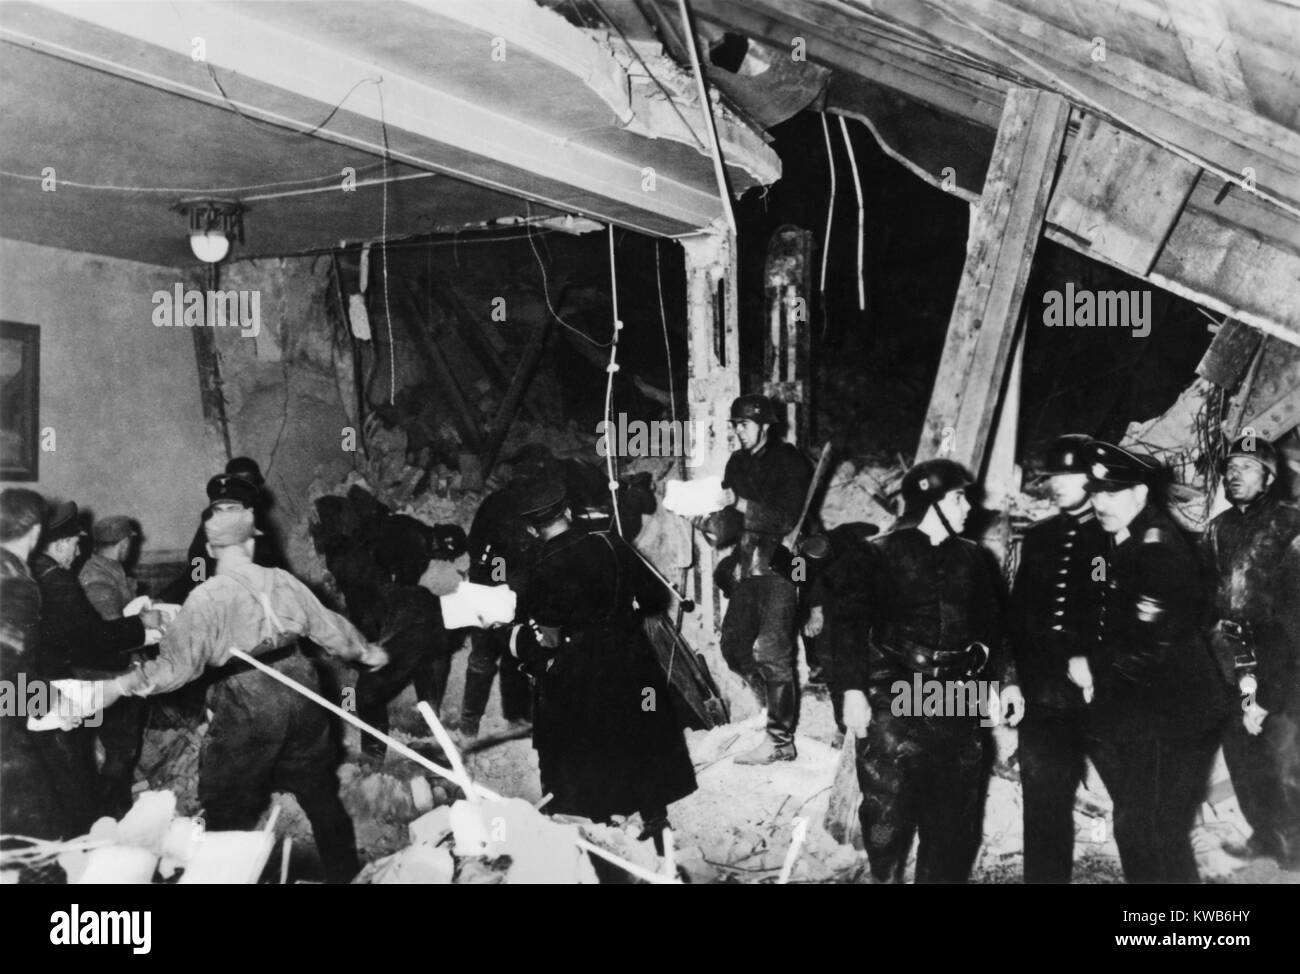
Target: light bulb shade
(210, 246)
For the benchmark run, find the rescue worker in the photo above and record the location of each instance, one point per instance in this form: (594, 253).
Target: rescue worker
(241, 483)
(934, 619)
(768, 480)
(29, 799)
(405, 618)
(1155, 705)
(1053, 604)
(76, 640)
(501, 552)
(1255, 646)
(607, 737)
(263, 736)
(108, 587)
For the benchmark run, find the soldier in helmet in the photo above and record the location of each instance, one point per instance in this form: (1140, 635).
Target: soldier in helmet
(1053, 602)
(1155, 706)
(768, 479)
(1255, 636)
(934, 619)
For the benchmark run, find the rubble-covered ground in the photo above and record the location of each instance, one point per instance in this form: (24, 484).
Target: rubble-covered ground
(736, 828)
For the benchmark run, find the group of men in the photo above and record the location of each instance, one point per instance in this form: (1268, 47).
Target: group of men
(1120, 642)
(262, 735)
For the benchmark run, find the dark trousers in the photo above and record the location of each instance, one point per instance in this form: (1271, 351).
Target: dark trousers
(758, 644)
(377, 689)
(265, 737)
(924, 775)
(1265, 772)
(64, 761)
(122, 735)
(1053, 751)
(491, 648)
(1155, 786)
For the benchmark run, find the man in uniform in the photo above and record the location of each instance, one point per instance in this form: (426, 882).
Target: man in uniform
(108, 587)
(933, 614)
(501, 551)
(769, 480)
(1243, 550)
(1053, 602)
(607, 738)
(75, 641)
(263, 736)
(1155, 704)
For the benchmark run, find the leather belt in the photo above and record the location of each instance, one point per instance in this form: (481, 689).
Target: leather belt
(275, 655)
(940, 664)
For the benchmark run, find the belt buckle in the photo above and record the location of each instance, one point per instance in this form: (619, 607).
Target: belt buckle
(1234, 629)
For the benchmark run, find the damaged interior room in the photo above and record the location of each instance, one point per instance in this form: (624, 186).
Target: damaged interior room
(650, 442)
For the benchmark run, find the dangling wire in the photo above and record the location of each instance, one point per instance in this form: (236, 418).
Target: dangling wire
(862, 231)
(609, 384)
(830, 216)
(668, 352)
(383, 232)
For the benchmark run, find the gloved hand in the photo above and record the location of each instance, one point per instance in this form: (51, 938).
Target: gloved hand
(373, 656)
(1012, 704)
(857, 712)
(1253, 719)
(1080, 674)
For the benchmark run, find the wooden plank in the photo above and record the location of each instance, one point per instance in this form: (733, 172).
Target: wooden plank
(1120, 192)
(1005, 226)
(515, 394)
(1229, 354)
(1211, 50)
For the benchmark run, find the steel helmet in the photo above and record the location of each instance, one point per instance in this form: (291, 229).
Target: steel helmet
(753, 406)
(930, 480)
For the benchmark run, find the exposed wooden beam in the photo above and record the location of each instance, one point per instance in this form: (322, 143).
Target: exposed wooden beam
(1005, 227)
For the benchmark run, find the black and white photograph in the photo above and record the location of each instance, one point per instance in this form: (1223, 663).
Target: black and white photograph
(652, 442)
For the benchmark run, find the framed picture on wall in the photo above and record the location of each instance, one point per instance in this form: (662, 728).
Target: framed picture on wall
(20, 381)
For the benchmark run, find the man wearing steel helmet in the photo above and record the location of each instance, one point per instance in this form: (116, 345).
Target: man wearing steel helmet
(1155, 706)
(934, 615)
(769, 480)
(1053, 602)
(1246, 551)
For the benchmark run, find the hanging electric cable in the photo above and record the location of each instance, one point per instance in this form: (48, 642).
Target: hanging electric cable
(862, 230)
(830, 216)
(706, 105)
(383, 232)
(609, 385)
(668, 353)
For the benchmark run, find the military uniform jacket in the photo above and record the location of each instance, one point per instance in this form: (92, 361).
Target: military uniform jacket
(73, 633)
(1242, 551)
(773, 482)
(925, 602)
(1151, 667)
(1053, 603)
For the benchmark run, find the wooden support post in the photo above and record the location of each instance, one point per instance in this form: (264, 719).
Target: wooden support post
(211, 396)
(1005, 226)
(787, 377)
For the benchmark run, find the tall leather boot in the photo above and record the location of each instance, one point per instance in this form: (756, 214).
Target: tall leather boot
(782, 703)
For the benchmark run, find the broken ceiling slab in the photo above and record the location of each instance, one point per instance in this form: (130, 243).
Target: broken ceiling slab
(413, 84)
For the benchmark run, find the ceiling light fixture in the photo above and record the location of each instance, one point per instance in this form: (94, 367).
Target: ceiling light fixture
(212, 224)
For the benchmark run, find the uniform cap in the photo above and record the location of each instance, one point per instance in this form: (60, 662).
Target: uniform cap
(111, 530)
(62, 522)
(1112, 467)
(542, 501)
(1067, 454)
(232, 487)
